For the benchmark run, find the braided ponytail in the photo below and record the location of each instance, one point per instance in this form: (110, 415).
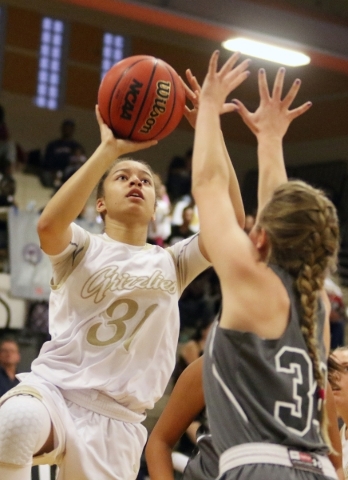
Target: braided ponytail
(302, 226)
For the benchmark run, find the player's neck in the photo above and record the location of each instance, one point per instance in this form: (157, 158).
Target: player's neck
(125, 234)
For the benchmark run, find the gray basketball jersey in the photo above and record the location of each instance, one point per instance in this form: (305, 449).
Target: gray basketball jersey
(204, 462)
(259, 390)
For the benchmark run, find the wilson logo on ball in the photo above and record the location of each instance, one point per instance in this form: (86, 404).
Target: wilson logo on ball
(159, 106)
(141, 98)
(130, 99)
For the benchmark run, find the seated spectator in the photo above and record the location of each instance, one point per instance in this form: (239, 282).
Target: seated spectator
(7, 183)
(58, 154)
(9, 360)
(160, 227)
(178, 178)
(76, 161)
(193, 348)
(195, 305)
(337, 314)
(178, 207)
(338, 378)
(182, 231)
(8, 149)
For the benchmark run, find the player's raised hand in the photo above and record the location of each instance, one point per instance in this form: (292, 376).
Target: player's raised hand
(120, 146)
(192, 94)
(218, 84)
(273, 116)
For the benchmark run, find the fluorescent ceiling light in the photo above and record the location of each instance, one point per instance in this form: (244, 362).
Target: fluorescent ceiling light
(284, 56)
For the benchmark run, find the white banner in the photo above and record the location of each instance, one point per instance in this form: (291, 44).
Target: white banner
(30, 268)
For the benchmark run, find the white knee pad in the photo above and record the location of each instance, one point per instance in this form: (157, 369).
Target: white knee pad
(25, 425)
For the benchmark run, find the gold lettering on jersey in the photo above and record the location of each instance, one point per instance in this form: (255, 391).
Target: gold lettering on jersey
(108, 279)
(119, 323)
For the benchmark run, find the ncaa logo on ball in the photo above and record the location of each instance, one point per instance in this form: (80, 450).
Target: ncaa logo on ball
(130, 99)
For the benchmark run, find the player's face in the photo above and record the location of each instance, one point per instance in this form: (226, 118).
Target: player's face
(341, 391)
(129, 191)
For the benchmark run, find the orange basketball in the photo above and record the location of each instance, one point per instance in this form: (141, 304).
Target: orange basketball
(141, 98)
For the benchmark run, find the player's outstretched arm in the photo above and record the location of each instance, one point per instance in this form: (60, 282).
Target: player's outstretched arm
(192, 94)
(65, 206)
(185, 403)
(269, 123)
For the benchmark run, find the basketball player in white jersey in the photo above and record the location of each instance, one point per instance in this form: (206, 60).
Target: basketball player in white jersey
(114, 322)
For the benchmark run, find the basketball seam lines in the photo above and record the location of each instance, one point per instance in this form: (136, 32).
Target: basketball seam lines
(144, 98)
(114, 130)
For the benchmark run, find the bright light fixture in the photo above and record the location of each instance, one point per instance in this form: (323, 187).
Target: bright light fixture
(281, 55)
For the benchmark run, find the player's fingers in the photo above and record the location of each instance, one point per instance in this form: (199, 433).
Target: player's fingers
(290, 96)
(229, 107)
(98, 115)
(213, 62)
(241, 108)
(193, 81)
(230, 63)
(235, 81)
(187, 110)
(263, 85)
(190, 94)
(299, 110)
(278, 84)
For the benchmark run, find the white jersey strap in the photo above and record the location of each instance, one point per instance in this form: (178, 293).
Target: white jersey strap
(251, 453)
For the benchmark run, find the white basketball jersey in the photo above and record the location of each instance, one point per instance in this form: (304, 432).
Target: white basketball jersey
(114, 317)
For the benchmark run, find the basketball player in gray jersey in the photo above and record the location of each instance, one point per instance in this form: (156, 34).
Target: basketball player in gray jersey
(265, 363)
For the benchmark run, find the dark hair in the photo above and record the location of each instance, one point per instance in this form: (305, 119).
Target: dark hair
(8, 339)
(68, 122)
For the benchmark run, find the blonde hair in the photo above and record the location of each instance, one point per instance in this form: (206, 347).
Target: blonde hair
(302, 227)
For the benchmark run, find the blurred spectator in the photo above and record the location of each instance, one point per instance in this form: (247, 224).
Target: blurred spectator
(337, 314)
(179, 176)
(76, 160)
(195, 305)
(189, 351)
(59, 153)
(37, 320)
(7, 146)
(178, 207)
(9, 360)
(7, 183)
(180, 232)
(160, 227)
(9, 150)
(338, 378)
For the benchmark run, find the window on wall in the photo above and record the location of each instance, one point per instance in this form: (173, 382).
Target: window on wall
(50, 63)
(113, 51)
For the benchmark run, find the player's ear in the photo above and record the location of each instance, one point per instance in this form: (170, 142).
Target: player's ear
(100, 205)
